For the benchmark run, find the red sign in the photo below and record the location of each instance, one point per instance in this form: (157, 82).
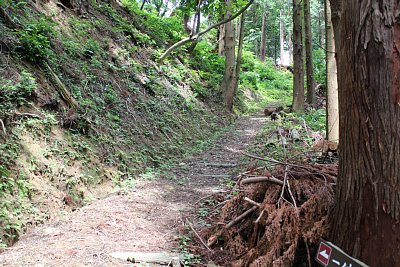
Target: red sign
(324, 253)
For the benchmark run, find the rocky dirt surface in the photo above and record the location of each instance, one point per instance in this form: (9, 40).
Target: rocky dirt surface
(148, 218)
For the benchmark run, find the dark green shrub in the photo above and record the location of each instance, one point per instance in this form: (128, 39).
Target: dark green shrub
(35, 40)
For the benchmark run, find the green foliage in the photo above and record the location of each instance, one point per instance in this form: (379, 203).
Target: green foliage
(92, 48)
(264, 83)
(35, 40)
(13, 193)
(188, 258)
(315, 119)
(206, 59)
(320, 66)
(160, 29)
(15, 95)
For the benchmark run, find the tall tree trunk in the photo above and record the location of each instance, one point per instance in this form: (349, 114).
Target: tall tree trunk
(367, 212)
(275, 48)
(298, 77)
(196, 27)
(309, 54)
(282, 37)
(322, 34)
(228, 82)
(332, 103)
(186, 18)
(221, 40)
(240, 50)
(263, 45)
(290, 47)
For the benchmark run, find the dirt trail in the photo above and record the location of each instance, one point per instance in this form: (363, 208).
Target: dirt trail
(146, 219)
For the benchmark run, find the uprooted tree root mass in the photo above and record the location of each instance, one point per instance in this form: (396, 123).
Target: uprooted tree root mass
(276, 222)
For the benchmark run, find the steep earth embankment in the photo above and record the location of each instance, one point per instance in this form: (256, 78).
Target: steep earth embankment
(148, 218)
(85, 108)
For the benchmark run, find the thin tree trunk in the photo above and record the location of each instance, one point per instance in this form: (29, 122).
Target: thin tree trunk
(322, 34)
(196, 27)
(228, 82)
(275, 48)
(298, 77)
(142, 6)
(309, 54)
(367, 211)
(263, 48)
(240, 50)
(332, 103)
(282, 37)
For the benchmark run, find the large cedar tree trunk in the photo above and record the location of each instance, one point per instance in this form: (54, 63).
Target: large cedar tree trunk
(309, 54)
(366, 221)
(298, 77)
(228, 82)
(332, 101)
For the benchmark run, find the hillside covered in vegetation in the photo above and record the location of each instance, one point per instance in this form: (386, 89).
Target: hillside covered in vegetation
(85, 108)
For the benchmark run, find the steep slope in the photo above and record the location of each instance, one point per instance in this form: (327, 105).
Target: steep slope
(84, 107)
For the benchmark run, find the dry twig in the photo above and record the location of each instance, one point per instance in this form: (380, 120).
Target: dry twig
(198, 236)
(241, 217)
(252, 202)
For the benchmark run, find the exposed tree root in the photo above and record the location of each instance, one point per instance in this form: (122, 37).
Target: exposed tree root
(268, 223)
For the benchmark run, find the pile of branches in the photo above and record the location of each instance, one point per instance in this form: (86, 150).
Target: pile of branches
(277, 218)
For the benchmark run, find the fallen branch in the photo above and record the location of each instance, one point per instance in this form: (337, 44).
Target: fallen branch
(252, 202)
(61, 88)
(259, 217)
(3, 127)
(261, 179)
(241, 217)
(198, 236)
(8, 20)
(192, 38)
(271, 160)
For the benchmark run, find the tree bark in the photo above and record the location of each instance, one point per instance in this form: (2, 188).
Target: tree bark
(282, 37)
(309, 54)
(228, 82)
(290, 47)
(196, 27)
(221, 40)
(332, 101)
(298, 77)
(367, 213)
(240, 52)
(185, 19)
(263, 45)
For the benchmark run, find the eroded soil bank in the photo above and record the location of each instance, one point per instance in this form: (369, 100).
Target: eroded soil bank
(148, 218)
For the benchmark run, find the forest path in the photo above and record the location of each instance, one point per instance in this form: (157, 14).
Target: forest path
(148, 218)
